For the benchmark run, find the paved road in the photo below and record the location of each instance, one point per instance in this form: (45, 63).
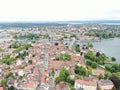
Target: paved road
(72, 43)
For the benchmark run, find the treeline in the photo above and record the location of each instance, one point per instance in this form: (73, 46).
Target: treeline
(22, 47)
(103, 34)
(7, 59)
(29, 36)
(96, 59)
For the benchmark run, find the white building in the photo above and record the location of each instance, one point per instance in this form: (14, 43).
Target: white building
(85, 85)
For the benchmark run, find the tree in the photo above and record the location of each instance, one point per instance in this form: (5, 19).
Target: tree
(7, 59)
(53, 72)
(11, 88)
(72, 88)
(80, 70)
(77, 48)
(90, 45)
(88, 62)
(102, 58)
(97, 54)
(4, 82)
(64, 74)
(94, 65)
(100, 76)
(113, 59)
(108, 67)
(65, 56)
(10, 74)
(107, 75)
(57, 80)
(89, 55)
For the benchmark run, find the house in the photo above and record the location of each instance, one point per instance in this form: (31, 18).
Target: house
(85, 85)
(62, 86)
(29, 85)
(105, 84)
(98, 72)
(72, 73)
(55, 65)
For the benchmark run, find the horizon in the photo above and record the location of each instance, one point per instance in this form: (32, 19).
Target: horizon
(69, 21)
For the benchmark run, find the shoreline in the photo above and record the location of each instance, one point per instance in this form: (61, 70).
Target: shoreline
(87, 41)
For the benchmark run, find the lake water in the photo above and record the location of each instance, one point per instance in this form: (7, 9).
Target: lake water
(110, 47)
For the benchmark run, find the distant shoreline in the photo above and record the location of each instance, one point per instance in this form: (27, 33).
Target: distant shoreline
(64, 22)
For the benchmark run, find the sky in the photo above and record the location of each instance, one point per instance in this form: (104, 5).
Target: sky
(59, 10)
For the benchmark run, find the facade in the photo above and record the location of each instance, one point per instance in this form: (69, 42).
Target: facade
(85, 85)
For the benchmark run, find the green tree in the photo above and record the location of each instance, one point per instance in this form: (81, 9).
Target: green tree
(64, 74)
(72, 88)
(57, 80)
(65, 56)
(53, 72)
(94, 65)
(77, 48)
(113, 59)
(11, 88)
(10, 74)
(100, 76)
(101, 59)
(4, 82)
(88, 62)
(107, 75)
(90, 45)
(89, 55)
(7, 59)
(80, 70)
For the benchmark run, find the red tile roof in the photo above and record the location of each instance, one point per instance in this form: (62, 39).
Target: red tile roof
(98, 71)
(62, 86)
(1, 88)
(86, 82)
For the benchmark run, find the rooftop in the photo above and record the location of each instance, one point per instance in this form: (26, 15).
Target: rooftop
(105, 82)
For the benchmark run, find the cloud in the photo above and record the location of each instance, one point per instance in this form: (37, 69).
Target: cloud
(53, 10)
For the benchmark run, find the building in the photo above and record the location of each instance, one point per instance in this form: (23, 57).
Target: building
(85, 85)
(98, 72)
(62, 86)
(105, 84)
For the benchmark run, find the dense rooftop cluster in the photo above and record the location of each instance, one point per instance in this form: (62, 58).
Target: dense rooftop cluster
(48, 58)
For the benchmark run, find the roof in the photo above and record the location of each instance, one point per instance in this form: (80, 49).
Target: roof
(105, 82)
(1, 88)
(98, 71)
(86, 82)
(30, 84)
(62, 86)
(56, 64)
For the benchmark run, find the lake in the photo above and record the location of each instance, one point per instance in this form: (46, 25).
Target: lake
(110, 47)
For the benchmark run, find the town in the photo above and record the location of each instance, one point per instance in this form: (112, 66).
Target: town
(48, 57)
